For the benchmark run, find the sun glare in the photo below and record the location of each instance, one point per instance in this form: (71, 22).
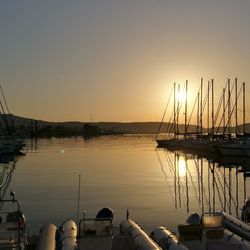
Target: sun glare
(181, 96)
(182, 168)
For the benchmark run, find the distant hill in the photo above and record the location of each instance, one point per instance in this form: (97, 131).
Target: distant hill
(124, 127)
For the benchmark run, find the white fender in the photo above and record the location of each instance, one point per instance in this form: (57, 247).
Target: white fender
(47, 240)
(166, 239)
(137, 238)
(68, 234)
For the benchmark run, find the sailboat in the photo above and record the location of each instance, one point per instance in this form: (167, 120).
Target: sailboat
(173, 139)
(9, 144)
(239, 145)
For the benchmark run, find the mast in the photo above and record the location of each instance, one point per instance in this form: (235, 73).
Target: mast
(212, 108)
(187, 194)
(224, 109)
(208, 98)
(244, 108)
(236, 108)
(201, 108)
(229, 108)
(6, 105)
(198, 110)
(162, 120)
(185, 135)
(3, 115)
(174, 111)
(178, 107)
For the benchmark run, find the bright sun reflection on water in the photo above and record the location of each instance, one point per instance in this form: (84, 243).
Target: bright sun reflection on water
(182, 167)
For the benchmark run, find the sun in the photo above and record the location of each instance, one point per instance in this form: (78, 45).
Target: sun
(181, 96)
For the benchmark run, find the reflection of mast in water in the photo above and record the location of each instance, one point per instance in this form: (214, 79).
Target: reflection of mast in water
(187, 194)
(237, 193)
(202, 193)
(228, 186)
(33, 144)
(175, 186)
(230, 189)
(208, 186)
(178, 178)
(213, 188)
(198, 178)
(172, 169)
(224, 188)
(177, 167)
(165, 174)
(245, 195)
(5, 177)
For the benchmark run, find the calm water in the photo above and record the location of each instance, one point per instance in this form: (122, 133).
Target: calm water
(123, 172)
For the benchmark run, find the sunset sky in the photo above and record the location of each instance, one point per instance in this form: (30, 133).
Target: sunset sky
(116, 60)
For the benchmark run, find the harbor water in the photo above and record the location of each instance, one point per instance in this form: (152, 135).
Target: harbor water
(157, 187)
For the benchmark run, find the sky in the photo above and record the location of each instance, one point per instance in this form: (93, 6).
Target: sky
(117, 60)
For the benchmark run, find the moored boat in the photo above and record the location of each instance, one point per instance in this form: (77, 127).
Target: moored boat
(96, 233)
(237, 226)
(13, 226)
(170, 144)
(7, 148)
(231, 148)
(207, 232)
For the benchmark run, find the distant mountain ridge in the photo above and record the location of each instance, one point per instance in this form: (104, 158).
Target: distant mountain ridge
(124, 127)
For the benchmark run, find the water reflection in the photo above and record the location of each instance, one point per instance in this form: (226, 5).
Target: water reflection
(210, 185)
(122, 172)
(182, 167)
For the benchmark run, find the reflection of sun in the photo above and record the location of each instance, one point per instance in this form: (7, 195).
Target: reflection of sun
(181, 96)
(182, 168)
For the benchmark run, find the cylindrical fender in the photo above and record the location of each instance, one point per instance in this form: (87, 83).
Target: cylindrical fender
(68, 234)
(137, 238)
(47, 240)
(166, 239)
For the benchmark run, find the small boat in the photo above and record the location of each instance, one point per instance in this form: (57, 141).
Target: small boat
(13, 226)
(236, 147)
(100, 233)
(237, 226)
(231, 148)
(10, 146)
(7, 148)
(170, 144)
(207, 232)
(96, 233)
